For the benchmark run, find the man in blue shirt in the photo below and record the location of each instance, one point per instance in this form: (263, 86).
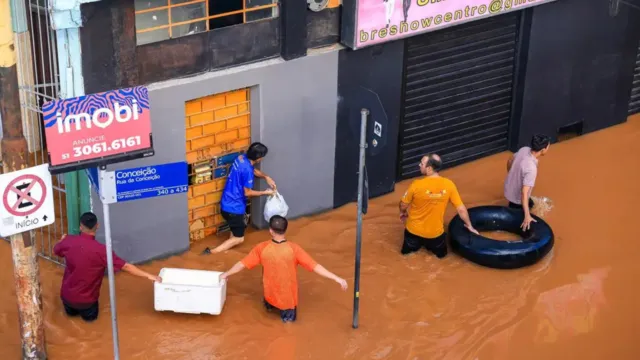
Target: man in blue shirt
(238, 188)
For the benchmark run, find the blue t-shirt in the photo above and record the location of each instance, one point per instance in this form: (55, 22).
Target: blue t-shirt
(240, 176)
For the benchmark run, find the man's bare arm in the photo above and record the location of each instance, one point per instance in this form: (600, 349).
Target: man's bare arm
(252, 193)
(134, 270)
(526, 191)
(259, 174)
(528, 219)
(322, 271)
(404, 210)
(239, 266)
(464, 215)
(266, 178)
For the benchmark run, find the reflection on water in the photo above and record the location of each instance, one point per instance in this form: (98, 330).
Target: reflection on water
(413, 307)
(571, 309)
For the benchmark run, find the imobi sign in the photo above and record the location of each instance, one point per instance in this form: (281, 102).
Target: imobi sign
(98, 129)
(370, 22)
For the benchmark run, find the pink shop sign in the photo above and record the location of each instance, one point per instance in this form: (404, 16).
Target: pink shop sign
(371, 22)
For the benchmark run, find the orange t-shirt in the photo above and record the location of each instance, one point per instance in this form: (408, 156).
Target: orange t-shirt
(428, 198)
(279, 275)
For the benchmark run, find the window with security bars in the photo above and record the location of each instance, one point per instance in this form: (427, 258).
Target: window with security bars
(158, 20)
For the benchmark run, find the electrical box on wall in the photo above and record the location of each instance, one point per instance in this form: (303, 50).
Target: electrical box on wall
(214, 168)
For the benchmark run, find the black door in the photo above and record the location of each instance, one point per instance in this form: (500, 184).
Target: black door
(370, 78)
(634, 101)
(458, 89)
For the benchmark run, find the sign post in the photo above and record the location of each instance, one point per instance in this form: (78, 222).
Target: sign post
(112, 282)
(361, 168)
(132, 184)
(14, 158)
(97, 130)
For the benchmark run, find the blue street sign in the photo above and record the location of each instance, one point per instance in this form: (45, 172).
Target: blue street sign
(151, 181)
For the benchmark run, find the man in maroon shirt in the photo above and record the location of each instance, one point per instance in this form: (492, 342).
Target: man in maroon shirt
(86, 262)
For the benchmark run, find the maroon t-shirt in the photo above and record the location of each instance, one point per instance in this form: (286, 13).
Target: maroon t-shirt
(86, 262)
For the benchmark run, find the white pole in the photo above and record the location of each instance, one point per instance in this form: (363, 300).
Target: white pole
(110, 273)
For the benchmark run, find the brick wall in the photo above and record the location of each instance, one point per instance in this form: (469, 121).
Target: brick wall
(215, 125)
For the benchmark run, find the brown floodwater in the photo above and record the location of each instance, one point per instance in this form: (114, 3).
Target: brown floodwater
(579, 302)
(501, 235)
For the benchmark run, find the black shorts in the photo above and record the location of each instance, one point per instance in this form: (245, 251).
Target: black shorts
(89, 313)
(518, 206)
(236, 223)
(413, 243)
(288, 315)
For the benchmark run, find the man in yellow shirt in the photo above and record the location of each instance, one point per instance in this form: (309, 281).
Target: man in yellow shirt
(422, 209)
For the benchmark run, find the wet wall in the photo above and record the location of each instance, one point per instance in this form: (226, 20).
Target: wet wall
(293, 111)
(579, 67)
(368, 78)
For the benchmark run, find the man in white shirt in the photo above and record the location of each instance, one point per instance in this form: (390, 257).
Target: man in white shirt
(522, 170)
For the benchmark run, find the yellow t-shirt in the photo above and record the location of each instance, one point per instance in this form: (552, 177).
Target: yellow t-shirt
(428, 198)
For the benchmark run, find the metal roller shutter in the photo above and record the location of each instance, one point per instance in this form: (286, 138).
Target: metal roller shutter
(634, 101)
(458, 92)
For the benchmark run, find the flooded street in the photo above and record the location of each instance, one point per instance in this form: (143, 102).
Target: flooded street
(579, 302)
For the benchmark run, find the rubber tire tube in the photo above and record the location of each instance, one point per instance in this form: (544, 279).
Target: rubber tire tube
(535, 244)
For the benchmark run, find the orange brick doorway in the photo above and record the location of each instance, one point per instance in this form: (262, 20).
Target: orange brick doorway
(218, 129)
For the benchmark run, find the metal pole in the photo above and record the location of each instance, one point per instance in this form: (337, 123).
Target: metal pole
(14, 156)
(364, 113)
(110, 274)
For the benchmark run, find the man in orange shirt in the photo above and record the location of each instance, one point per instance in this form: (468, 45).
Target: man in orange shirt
(422, 209)
(279, 259)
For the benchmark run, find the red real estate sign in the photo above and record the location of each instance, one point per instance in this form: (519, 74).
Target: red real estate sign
(98, 129)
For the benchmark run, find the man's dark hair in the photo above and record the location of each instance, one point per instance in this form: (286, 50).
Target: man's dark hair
(539, 142)
(89, 220)
(256, 151)
(434, 161)
(278, 224)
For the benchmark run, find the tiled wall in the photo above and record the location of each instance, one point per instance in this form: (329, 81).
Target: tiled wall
(217, 129)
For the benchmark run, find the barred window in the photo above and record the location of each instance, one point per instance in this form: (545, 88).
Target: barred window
(158, 20)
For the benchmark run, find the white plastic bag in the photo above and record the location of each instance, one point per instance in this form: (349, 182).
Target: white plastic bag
(275, 206)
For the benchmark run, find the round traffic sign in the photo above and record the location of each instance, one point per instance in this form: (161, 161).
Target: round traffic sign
(18, 199)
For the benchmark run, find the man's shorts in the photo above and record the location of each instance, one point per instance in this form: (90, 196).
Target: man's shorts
(413, 243)
(89, 313)
(236, 222)
(518, 206)
(288, 315)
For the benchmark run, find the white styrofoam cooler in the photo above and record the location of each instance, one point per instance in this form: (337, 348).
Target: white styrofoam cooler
(190, 291)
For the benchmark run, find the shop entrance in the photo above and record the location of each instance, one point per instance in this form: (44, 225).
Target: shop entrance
(218, 129)
(458, 90)
(634, 101)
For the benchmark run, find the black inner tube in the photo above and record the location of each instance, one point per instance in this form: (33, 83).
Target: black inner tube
(535, 244)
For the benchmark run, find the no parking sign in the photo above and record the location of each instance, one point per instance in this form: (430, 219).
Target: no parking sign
(27, 200)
